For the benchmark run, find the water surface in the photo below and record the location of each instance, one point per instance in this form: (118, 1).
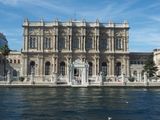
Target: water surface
(79, 104)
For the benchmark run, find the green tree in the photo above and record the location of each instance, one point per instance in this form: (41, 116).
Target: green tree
(150, 67)
(4, 52)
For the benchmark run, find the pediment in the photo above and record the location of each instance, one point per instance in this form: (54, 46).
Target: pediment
(78, 61)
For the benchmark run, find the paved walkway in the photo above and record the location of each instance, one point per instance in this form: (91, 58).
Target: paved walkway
(105, 84)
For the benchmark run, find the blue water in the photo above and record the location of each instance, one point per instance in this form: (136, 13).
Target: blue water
(79, 104)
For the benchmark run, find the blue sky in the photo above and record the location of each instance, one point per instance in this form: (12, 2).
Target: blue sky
(143, 17)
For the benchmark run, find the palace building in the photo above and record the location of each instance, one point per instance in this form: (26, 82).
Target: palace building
(56, 47)
(49, 47)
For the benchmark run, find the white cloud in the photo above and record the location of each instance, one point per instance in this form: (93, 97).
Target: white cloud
(155, 18)
(146, 26)
(9, 2)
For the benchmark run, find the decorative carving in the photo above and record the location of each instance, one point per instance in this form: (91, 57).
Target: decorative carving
(34, 31)
(119, 33)
(48, 31)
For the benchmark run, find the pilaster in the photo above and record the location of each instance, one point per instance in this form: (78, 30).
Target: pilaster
(112, 66)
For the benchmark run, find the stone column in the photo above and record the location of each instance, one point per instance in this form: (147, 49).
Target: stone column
(32, 77)
(145, 79)
(84, 41)
(112, 66)
(95, 42)
(41, 66)
(140, 77)
(126, 65)
(56, 41)
(41, 40)
(98, 43)
(68, 62)
(9, 77)
(124, 47)
(95, 67)
(109, 64)
(70, 42)
(123, 77)
(100, 79)
(26, 39)
(70, 75)
(112, 39)
(25, 66)
(86, 74)
(109, 43)
(55, 64)
(68, 72)
(26, 42)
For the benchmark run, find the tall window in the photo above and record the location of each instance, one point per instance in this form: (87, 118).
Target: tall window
(32, 42)
(104, 44)
(118, 43)
(118, 69)
(62, 42)
(76, 42)
(47, 42)
(135, 73)
(89, 43)
(32, 67)
(14, 73)
(62, 68)
(90, 68)
(47, 68)
(104, 68)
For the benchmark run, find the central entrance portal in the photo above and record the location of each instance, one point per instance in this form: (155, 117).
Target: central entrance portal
(78, 73)
(78, 76)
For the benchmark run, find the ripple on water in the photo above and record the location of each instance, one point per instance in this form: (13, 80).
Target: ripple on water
(79, 104)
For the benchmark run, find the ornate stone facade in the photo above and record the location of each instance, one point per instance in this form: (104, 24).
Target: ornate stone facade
(49, 47)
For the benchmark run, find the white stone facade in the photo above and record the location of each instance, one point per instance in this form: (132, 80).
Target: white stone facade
(157, 59)
(49, 47)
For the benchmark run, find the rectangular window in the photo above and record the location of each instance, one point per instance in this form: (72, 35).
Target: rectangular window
(89, 43)
(76, 42)
(32, 42)
(104, 44)
(62, 42)
(118, 43)
(47, 43)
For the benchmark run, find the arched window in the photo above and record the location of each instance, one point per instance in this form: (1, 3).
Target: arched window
(47, 68)
(135, 73)
(104, 68)
(10, 60)
(118, 69)
(18, 61)
(32, 67)
(62, 68)
(90, 68)
(15, 61)
(14, 73)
